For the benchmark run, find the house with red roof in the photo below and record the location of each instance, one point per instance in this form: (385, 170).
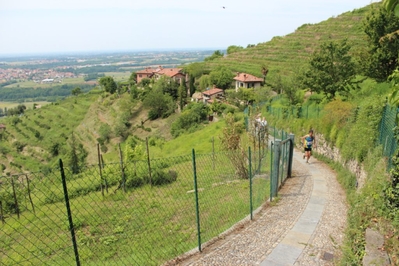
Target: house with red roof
(148, 72)
(214, 94)
(174, 73)
(244, 80)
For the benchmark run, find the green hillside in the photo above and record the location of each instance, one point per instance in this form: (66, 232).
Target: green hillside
(287, 54)
(35, 140)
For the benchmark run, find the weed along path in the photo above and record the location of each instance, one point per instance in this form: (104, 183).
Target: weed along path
(303, 226)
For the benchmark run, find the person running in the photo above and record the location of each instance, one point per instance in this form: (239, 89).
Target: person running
(308, 141)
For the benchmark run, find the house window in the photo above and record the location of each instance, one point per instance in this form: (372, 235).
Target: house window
(241, 84)
(140, 75)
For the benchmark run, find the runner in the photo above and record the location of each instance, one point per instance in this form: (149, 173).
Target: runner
(308, 141)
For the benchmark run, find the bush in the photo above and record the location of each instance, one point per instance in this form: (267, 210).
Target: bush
(134, 181)
(4, 150)
(194, 114)
(160, 177)
(19, 146)
(153, 114)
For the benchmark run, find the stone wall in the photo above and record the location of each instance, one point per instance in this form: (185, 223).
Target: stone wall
(326, 149)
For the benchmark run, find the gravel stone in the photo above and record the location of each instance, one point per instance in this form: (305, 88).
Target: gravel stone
(250, 242)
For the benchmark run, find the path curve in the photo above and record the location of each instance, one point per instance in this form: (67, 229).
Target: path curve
(305, 227)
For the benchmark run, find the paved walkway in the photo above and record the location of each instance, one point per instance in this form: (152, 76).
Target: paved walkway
(304, 227)
(292, 245)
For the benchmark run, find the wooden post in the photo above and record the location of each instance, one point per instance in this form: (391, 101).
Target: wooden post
(30, 198)
(105, 179)
(99, 168)
(213, 152)
(122, 168)
(1, 212)
(15, 196)
(148, 160)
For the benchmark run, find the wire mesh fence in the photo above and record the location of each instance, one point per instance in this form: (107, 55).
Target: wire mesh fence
(386, 131)
(386, 136)
(308, 111)
(131, 212)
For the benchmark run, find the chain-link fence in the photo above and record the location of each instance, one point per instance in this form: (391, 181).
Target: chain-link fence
(386, 136)
(308, 111)
(386, 130)
(129, 213)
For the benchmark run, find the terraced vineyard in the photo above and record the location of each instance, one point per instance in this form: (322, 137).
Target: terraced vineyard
(287, 54)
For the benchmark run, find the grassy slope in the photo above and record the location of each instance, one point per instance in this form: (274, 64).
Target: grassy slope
(39, 129)
(285, 55)
(282, 55)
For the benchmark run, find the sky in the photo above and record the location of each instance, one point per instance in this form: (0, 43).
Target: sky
(61, 26)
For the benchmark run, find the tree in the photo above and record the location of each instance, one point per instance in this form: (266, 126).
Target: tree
(231, 142)
(144, 82)
(216, 54)
(264, 70)
(191, 117)
(108, 84)
(167, 85)
(234, 48)
(247, 95)
(330, 69)
(161, 105)
(381, 27)
(76, 155)
(393, 98)
(134, 92)
(391, 6)
(204, 82)
(191, 85)
(76, 91)
(196, 69)
(182, 94)
(134, 152)
(133, 78)
(104, 133)
(222, 77)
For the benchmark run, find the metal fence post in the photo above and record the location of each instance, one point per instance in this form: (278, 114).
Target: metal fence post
(250, 182)
(122, 168)
(68, 209)
(196, 202)
(15, 196)
(148, 161)
(276, 167)
(291, 154)
(271, 169)
(382, 121)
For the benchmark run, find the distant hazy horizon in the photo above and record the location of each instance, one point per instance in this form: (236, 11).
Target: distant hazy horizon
(75, 53)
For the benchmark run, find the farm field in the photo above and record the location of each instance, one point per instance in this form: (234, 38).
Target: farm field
(29, 105)
(32, 84)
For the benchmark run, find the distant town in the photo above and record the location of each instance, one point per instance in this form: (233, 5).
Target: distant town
(37, 75)
(53, 69)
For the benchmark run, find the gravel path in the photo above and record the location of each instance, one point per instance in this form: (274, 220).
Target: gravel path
(252, 242)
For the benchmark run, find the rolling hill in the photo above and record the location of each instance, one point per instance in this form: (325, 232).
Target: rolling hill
(36, 139)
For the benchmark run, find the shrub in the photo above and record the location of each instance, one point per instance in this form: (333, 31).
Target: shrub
(19, 146)
(153, 114)
(4, 150)
(134, 181)
(160, 177)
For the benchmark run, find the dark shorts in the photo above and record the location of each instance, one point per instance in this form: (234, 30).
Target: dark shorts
(308, 149)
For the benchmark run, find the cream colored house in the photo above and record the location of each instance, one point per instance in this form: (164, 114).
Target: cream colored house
(244, 80)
